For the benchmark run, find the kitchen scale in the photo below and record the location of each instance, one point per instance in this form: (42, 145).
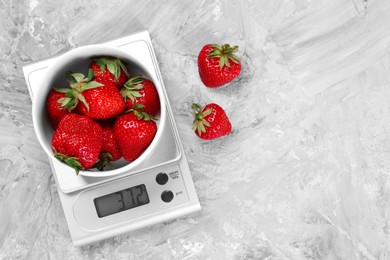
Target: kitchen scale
(157, 190)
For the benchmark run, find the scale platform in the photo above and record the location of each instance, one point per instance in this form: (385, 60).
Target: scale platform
(157, 190)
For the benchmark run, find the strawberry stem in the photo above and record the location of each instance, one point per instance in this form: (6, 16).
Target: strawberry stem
(138, 110)
(70, 161)
(78, 83)
(114, 66)
(131, 88)
(200, 123)
(104, 161)
(225, 53)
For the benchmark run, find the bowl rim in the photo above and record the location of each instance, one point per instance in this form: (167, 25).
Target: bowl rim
(46, 85)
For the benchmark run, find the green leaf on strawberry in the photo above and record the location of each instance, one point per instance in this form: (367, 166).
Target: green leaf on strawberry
(78, 84)
(90, 75)
(70, 161)
(138, 110)
(224, 53)
(62, 90)
(91, 85)
(200, 123)
(78, 77)
(131, 88)
(123, 67)
(82, 99)
(114, 66)
(69, 103)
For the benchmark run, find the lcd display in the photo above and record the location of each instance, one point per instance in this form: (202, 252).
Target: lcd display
(121, 200)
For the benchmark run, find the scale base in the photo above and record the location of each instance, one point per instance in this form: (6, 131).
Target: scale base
(77, 193)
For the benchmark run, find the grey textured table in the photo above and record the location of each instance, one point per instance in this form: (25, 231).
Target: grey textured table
(305, 174)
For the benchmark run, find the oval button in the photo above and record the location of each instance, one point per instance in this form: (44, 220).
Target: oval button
(162, 178)
(167, 196)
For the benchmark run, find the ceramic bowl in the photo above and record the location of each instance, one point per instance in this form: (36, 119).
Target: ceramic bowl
(77, 60)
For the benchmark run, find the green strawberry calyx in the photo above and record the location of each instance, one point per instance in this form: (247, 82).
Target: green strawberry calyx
(104, 161)
(78, 83)
(138, 110)
(114, 66)
(70, 161)
(131, 88)
(225, 53)
(200, 123)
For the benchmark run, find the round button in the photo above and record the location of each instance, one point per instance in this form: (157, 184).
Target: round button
(167, 196)
(162, 178)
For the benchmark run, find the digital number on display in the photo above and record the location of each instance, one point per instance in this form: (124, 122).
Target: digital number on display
(121, 200)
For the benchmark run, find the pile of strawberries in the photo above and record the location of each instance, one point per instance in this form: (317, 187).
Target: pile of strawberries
(103, 116)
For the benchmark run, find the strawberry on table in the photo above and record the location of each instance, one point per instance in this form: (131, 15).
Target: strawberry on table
(110, 149)
(97, 100)
(139, 90)
(210, 121)
(134, 132)
(218, 65)
(77, 141)
(54, 108)
(109, 70)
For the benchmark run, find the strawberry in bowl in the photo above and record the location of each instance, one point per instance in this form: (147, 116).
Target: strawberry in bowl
(134, 132)
(84, 85)
(77, 141)
(109, 70)
(139, 90)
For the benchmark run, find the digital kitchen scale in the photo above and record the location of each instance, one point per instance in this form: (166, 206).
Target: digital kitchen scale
(157, 190)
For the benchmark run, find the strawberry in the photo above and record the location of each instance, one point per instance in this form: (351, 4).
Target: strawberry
(78, 83)
(110, 150)
(77, 141)
(54, 109)
(109, 70)
(97, 100)
(102, 103)
(218, 65)
(139, 90)
(210, 121)
(134, 132)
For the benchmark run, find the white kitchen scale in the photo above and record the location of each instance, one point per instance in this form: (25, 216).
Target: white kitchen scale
(157, 190)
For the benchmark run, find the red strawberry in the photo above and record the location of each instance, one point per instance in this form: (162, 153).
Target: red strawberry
(77, 141)
(109, 70)
(102, 103)
(218, 65)
(139, 90)
(54, 109)
(97, 101)
(110, 150)
(210, 121)
(134, 132)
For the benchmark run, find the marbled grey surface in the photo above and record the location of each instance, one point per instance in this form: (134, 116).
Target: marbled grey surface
(305, 174)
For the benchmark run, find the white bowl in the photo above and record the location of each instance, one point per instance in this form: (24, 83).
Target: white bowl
(77, 60)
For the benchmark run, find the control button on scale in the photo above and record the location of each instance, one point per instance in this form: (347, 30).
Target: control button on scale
(162, 178)
(167, 196)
